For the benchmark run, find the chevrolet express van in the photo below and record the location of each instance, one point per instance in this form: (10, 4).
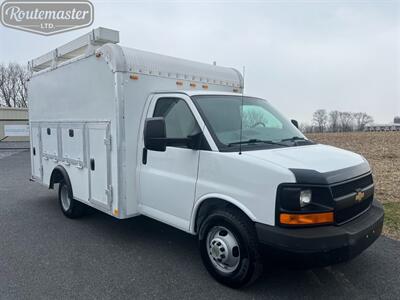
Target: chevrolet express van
(131, 133)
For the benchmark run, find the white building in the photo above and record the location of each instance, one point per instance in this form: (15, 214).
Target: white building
(383, 127)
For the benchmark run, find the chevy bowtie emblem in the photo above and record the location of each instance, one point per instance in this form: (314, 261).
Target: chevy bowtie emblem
(360, 196)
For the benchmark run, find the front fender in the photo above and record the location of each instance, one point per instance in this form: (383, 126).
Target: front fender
(226, 198)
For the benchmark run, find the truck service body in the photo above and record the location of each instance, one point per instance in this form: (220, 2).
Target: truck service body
(130, 133)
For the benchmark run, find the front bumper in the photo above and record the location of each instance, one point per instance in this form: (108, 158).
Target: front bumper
(344, 241)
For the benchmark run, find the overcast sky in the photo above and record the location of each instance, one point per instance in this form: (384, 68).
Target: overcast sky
(299, 55)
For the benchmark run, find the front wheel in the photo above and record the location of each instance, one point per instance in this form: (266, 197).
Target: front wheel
(229, 248)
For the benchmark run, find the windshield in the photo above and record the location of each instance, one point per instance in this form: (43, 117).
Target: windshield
(263, 126)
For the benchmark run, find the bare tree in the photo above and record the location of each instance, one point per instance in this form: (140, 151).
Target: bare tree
(303, 127)
(22, 79)
(346, 120)
(253, 118)
(306, 128)
(337, 121)
(362, 119)
(334, 120)
(4, 84)
(320, 119)
(13, 90)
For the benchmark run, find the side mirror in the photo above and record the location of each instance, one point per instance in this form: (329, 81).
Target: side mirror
(295, 123)
(195, 141)
(155, 134)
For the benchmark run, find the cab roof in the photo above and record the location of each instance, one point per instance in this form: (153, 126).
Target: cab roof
(198, 93)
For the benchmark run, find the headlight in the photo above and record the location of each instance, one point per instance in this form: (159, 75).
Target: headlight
(304, 205)
(305, 197)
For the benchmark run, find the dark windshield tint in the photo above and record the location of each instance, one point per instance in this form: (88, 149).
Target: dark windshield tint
(260, 120)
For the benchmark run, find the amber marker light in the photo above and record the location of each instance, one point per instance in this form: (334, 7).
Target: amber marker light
(205, 86)
(306, 219)
(179, 82)
(134, 77)
(192, 84)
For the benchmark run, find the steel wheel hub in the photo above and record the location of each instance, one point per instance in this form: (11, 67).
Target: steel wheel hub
(223, 249)
(65, 199)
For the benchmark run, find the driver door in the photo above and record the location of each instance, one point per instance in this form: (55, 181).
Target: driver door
(168, 179)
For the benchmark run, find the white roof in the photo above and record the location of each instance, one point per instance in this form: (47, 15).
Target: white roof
(123, 59)
(103, 42)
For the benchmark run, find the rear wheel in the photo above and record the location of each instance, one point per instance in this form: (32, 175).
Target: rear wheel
(229, 248)
(70, 207)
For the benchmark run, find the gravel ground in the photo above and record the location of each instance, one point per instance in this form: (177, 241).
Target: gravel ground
(5, 153)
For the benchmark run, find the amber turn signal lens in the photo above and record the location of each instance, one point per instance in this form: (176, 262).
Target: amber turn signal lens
(306, 219)
(134, 77)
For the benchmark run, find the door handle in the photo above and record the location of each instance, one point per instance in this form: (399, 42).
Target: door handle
(144, 156)
(92, 164)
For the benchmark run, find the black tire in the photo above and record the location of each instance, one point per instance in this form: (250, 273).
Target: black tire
(249, 267)
(75, 209)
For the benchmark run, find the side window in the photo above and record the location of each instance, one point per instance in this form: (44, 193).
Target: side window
(179, 120)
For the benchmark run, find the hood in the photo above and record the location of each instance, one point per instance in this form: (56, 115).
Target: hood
(321, 158)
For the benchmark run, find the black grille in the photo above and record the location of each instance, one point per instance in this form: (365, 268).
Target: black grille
(353, 208)
(351, 186)
(348, 213)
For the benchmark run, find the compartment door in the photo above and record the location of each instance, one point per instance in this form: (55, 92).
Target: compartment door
(36, 153)
(99, 164)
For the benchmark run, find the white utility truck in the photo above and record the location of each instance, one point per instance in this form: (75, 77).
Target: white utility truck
(131, 133)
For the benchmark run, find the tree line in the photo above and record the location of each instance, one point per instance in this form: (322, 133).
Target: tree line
(13, 89)
(337, 121)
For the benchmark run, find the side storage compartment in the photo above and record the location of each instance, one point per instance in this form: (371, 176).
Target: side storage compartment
(73, 143)
(50, 141)
(73, 157)
(99, 164)
(83, 149)
(49, 138)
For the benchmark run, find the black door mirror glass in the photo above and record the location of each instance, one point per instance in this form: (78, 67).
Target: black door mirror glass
(295, 123)
(155, 134)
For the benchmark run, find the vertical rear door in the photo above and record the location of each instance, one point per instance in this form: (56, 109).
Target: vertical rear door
(99, 164)
(35, 153)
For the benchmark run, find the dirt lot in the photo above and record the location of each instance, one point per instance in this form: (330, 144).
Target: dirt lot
(382, 150)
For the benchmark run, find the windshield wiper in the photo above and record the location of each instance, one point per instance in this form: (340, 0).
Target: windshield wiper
(257, 141)
(297, 138)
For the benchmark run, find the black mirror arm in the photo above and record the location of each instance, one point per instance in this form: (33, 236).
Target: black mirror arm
(195, 141)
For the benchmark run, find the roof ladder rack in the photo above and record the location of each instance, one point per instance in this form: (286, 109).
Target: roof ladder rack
(82, 46)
